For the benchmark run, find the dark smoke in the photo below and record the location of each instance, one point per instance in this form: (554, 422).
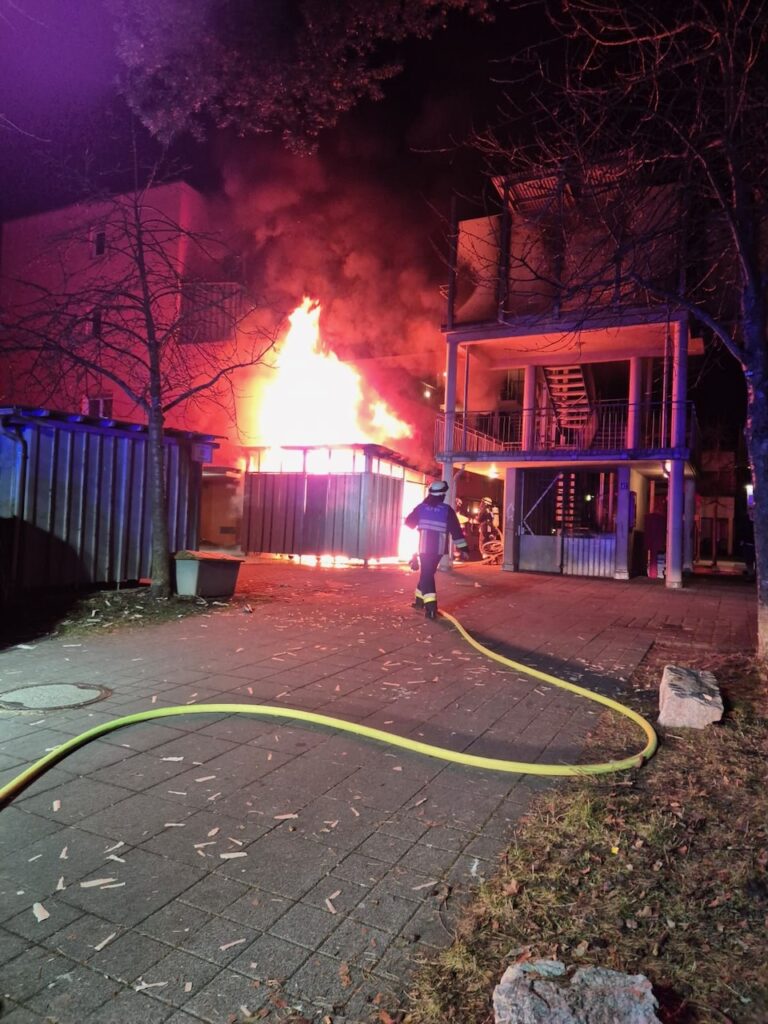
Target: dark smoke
(329, 229)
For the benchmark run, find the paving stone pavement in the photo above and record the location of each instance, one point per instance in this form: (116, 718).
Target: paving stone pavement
(212, 867)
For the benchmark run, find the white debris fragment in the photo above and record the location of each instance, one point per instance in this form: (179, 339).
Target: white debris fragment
(36, 857)
(205, 778)
(117, 846)
(231, 856)
(229, 945)
(41, 914)
(56, 806)
(174, 824)
(171, 758)
(142, 985)
(424, 885)
(213, 832)
(187, 986)
(63, 855)
(105, 942)
(330, 906)
(60, 887)
(93, 882)
(113, 856)
(285, 817)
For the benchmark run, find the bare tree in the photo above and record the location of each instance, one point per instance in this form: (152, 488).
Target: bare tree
(655, 117)
(129, 296)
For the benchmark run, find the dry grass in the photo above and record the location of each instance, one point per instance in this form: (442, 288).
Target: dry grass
(660, 872)
(73, 615)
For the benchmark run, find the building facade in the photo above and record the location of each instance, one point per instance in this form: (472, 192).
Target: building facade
(567, 378)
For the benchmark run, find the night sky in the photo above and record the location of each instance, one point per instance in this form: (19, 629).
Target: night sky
(58, 103)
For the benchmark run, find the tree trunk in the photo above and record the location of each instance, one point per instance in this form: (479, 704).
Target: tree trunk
(757, 448)
(161, 566)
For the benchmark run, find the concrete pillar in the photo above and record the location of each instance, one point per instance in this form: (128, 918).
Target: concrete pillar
(623, 531)
(446, 562)
(529, 408)
(635, 392)
(675, 510)
(676, 498)
(511, 524)
(451, 366)
(679, 384)
(689, 520)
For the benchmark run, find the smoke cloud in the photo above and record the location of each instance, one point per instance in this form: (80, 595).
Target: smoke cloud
(327, 228)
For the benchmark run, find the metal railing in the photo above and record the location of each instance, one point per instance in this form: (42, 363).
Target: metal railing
(605, 428)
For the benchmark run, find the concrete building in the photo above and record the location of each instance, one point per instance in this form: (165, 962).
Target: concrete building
(567, 381)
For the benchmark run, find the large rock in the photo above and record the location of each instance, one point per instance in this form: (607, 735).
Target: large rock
(689, 699)
(542, 992)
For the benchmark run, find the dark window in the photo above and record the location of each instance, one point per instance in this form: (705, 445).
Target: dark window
(512, 388)
(99, 243)
(96, 323)
(100, 406)
(211, 311)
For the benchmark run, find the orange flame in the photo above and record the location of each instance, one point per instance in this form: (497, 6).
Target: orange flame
(315, 399)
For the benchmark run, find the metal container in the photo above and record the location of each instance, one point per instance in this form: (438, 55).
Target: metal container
(74, 498)
(355, 514)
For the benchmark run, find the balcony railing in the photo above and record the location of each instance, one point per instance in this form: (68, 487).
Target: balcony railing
(604, 429)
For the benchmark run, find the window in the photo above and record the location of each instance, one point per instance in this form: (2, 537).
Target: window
(211, 311)
(95, 324)
(512, 388)
(98, 242)
(99, 406)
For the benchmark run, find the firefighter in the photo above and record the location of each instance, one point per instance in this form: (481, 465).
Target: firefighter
(491, 546)
(435, 522)
(487, 522)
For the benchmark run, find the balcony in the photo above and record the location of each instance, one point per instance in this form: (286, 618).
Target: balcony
(497, 432)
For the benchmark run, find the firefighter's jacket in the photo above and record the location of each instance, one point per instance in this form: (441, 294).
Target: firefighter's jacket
(435, 522)
(488, 528)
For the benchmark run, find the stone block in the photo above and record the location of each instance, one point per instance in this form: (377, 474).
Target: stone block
(689, 698)
(542, 992)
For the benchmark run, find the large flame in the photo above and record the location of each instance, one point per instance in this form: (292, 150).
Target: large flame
(314, 399)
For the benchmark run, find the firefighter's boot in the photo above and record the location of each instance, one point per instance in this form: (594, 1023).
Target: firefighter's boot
(418, 603)
(430, 610)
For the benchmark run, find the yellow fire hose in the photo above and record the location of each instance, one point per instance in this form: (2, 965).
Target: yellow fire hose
(13, 788)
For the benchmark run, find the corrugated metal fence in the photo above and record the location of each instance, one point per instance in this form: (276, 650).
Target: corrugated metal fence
(589, 556)
(356, 515)
(74, 499)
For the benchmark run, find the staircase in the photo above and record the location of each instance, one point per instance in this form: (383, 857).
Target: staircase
(565, 502)
(569, 393)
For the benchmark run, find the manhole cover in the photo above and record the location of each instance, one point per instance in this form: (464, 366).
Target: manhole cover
(52, 697)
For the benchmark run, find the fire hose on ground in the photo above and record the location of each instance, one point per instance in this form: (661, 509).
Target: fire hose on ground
(17, 785)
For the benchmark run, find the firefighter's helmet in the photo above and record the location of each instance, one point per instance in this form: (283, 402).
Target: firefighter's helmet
(438, 489)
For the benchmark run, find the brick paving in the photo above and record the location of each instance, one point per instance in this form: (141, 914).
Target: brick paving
(211, 867)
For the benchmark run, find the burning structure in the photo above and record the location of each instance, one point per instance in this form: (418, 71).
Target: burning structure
(319, 483)
(264, 411)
